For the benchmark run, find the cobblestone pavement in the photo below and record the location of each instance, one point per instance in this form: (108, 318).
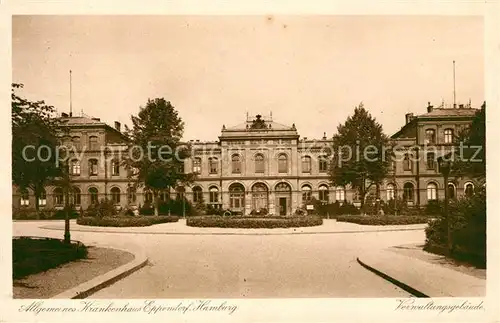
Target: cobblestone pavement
(246, 266)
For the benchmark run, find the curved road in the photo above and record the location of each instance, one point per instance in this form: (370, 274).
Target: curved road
(246, 266)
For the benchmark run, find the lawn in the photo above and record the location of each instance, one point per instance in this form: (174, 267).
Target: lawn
(31, 255)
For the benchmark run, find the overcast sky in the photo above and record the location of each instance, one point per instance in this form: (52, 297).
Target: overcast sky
(307, 70)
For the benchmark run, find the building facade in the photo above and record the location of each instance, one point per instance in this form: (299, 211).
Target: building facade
(259, 165)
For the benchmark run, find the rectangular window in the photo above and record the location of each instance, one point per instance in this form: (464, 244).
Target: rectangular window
(407, 163)
(93, 167)
(306, 164)
(75, 167)
(116, 168)
(448, 136)
(197, 165)
(213, 165)
(323, 164)
(431, 162)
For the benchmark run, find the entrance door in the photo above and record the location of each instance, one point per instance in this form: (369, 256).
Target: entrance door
(282, 205)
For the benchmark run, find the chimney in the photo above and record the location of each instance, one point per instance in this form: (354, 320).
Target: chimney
(409, 117)
(117, 126)
(460, 106)
(64, 115)
(429, 107)
(324, 135)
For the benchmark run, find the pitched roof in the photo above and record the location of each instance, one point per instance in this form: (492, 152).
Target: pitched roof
(457, 112)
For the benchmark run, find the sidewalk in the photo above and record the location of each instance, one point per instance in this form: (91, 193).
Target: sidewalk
(428, 274)
(180, 227)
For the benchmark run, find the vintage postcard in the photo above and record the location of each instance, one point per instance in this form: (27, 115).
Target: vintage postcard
(250, 163)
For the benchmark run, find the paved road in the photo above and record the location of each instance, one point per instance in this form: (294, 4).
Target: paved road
(222, 266)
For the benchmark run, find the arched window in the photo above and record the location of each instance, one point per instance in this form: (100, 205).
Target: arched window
(323, 164)
(283, 193)
(282, 164)
(213, 195)
(236, 164)
(213, 165)
(391, 192)
(25, 197)
(115, 169)
(164, 195)
(323, 193)
(448, 136)
(93, 195)
(42, 199)
(408, 192)
(148, 197)
(306, 164)
(93, 143)
(115, 195)
(197, 194)
(469, 189)
(306, 193)
(76, 142)
(451, 191)
(259, 196)
(430, 136)
(340, 194)
(431, 191)
(131, 194)
(197, 165)
(76, 196)
(75, 167)
(93, 167)
(259, 163)
(283, 187)
(58, 196)
(236, 196)
(407, 163)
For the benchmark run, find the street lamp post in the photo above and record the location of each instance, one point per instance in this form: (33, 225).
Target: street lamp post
(444, 167)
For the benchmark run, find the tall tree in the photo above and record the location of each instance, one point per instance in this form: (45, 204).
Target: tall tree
(360, 157)
(34, 144)
(156, 151)
(471, 161)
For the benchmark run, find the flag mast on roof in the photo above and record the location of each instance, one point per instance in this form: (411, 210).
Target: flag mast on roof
(70, 96)
(454, 92)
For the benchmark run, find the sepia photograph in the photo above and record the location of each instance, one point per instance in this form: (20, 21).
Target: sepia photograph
(211, 158)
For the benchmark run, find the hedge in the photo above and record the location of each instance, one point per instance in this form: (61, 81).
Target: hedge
(383, 220)
(34, 255)
(468, 230)
(254, 223)
(125, 221)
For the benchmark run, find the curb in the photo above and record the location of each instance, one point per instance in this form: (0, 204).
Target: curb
(88, 288)
(396, 282)
(232, 233)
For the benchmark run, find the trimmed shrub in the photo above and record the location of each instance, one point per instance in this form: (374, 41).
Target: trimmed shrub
(31, 256)
(254, 223)
(468, 230)
(383, 220)
(101, 209)
(146, 209)
(125, 221)
(211, 210)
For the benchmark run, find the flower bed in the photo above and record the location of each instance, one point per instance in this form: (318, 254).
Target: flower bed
(383, 220)
(31, 255)
(125, 221)
(253, 222)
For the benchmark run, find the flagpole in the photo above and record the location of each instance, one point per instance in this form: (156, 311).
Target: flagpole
(454, 92)
(70, 96)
